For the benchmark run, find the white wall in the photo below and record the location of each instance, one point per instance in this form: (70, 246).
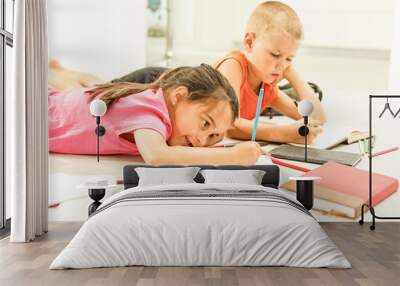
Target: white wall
(394, 75)
(360, 24)
(107, 38)
(217, 26)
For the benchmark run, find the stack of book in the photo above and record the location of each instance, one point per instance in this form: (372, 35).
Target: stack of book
(342, 190)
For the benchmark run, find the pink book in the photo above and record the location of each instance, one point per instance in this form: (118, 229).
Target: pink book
(348, 186)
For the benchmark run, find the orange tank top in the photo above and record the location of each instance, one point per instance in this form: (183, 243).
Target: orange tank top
(248, 98)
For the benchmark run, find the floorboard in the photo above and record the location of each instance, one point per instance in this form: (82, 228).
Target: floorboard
(374, 255)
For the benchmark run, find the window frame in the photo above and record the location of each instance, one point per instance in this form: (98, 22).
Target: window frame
(6, 39)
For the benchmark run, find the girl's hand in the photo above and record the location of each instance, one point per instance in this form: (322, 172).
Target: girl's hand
(314, 127)
(247, 153)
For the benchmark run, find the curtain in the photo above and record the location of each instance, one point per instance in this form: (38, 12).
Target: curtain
(26, 123)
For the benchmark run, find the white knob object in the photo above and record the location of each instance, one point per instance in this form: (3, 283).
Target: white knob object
(305, 107)
(98, 107)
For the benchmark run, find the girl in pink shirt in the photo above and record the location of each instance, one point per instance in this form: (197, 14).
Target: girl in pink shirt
(167, 122)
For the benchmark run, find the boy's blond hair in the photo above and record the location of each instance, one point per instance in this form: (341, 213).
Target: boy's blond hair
(274, 15)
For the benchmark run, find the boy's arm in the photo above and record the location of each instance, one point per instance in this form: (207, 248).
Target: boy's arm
(304, 91)
(243, 130)
(232, 70)
(274, 133)
(285, 105)
(155, 151)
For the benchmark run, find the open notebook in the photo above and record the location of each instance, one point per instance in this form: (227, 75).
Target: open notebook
(316, 156)
(333, 135)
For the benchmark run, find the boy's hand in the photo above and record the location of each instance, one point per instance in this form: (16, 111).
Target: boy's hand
(248, 152)
(288, 72)
(314, 127)
(285, 75)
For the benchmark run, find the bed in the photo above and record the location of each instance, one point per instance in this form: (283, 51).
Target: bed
(201, 224)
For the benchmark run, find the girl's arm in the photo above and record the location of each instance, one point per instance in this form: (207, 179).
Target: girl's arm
(285, 105)
(155, 151)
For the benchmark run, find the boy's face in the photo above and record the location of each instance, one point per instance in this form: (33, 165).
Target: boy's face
(270, 54)
(199, 124)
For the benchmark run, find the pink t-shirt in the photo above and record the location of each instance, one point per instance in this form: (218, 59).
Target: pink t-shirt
(72, 127)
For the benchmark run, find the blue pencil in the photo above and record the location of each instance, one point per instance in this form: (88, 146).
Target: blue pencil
(259, 101)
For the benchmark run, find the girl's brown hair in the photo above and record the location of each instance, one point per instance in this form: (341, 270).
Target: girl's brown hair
(204, 84)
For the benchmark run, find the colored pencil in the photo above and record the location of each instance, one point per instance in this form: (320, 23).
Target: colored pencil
(261, 143)
(288, 165)
(385, 151)
(258, 111)
(56, 204)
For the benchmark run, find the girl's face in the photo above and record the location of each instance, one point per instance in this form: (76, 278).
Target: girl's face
(270, 54)
(197, 124)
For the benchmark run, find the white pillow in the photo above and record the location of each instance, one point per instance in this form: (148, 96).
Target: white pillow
(248, 177)
(164, 176)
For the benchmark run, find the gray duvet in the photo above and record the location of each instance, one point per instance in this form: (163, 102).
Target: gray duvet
(201, 224)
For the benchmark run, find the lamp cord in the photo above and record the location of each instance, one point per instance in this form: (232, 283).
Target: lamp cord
(98, 145)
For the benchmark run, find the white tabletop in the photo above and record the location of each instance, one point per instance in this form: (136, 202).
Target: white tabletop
(95, 187)
(304, 178)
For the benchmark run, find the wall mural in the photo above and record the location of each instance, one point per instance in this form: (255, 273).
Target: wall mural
(245, 107)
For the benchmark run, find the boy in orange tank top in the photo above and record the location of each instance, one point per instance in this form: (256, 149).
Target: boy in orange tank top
(272, 38)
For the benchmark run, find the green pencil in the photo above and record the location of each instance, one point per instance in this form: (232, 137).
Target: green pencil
(366, 146)
(361, 146)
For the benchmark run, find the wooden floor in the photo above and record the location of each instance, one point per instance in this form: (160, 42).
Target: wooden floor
(374, 255)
